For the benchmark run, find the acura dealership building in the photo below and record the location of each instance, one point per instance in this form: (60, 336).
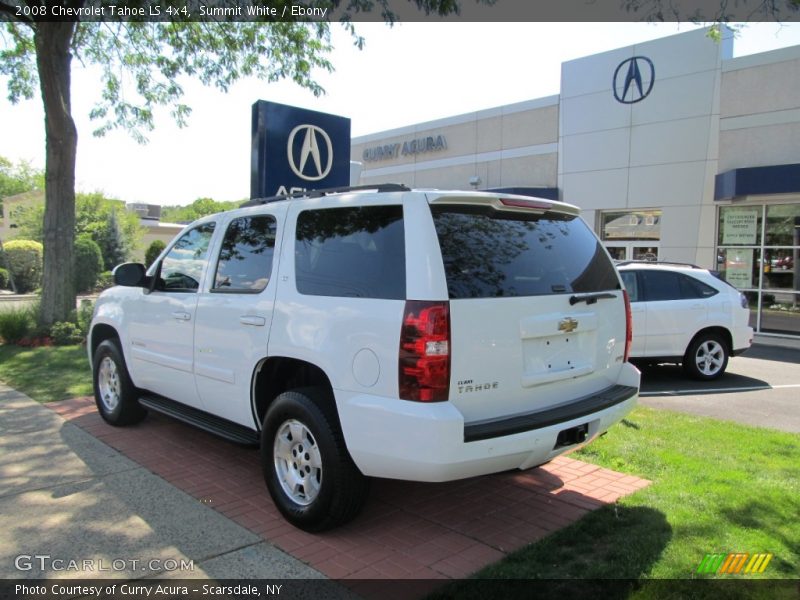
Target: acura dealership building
(673, 149)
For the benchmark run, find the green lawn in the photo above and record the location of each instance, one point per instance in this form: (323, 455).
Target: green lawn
(718, 487)
(46, 374)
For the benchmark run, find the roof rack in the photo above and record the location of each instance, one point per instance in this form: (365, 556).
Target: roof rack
(622, 263)
(378, 187)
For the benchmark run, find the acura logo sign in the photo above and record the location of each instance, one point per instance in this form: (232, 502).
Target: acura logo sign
(633, 79)
(310, 149)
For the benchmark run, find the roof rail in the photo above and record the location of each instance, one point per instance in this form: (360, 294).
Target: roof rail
(622, 263)
(378, 187)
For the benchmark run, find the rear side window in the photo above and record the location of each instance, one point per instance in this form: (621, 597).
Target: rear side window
(668, 285)
(245, 259)
(489, 253)
(356, 252)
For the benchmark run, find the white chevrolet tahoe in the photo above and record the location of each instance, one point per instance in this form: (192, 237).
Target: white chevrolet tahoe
(419, 335)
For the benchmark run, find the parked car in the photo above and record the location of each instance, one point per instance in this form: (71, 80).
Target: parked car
(685, 314)
(786, 262)
(426, 336)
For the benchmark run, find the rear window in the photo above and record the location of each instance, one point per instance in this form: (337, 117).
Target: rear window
(489, 253)
(354, 252)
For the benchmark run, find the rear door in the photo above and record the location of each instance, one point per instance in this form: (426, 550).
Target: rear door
(536, 307)
(234, 314)
(674, 312)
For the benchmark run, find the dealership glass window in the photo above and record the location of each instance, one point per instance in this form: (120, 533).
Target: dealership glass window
(631, 235)
(640, 225)
(757, 252)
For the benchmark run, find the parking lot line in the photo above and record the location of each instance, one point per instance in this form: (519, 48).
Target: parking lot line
(717, 390)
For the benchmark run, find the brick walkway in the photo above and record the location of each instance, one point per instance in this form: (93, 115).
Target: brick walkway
(407, 530)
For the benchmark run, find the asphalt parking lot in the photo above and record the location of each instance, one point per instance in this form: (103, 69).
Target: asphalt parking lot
(761, 387)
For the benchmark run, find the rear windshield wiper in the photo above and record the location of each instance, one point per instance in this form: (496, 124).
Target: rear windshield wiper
(590, 298)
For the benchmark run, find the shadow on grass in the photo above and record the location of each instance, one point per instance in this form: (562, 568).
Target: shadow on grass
(617, 543)
(763, 516)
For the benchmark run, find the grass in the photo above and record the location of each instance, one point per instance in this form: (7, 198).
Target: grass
(717, 487)
(46, 374)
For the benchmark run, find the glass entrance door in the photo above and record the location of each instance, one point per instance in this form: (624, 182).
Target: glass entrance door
(632, 251)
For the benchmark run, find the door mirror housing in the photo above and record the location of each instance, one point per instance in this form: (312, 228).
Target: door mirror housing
(130, 275)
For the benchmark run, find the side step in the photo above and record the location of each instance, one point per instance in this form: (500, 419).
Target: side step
(201, 419)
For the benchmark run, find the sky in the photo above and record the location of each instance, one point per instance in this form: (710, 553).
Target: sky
(407, 74)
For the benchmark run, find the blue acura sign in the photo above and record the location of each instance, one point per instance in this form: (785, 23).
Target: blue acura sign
(295, 149)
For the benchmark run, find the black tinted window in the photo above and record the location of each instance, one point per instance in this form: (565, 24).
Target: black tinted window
(489, 253)
(661, 285)
(183, 266)
(666, 285)
(245, 259)
(355, 252)
(692, 288)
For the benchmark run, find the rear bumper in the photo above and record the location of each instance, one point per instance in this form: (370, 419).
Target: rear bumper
(431, 442)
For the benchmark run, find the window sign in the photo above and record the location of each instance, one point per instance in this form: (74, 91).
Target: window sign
(739, 267)
(740, 227)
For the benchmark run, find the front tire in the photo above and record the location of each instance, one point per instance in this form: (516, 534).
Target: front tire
(114, 393)
(707, 357)
(307, 468)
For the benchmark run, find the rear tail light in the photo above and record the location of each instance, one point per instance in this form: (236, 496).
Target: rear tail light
(424, 363)
(628, 325)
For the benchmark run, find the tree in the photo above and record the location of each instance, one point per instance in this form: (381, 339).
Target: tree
(141, 63)
(88, 263)
(199, 208)
(105, 220)
(19, 178)
(153, 251)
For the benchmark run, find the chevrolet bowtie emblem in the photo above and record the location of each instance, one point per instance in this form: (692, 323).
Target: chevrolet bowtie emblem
(567, 325)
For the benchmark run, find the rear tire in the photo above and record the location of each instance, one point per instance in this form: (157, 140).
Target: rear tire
(707, 357)
(115, 395)
(307, 468)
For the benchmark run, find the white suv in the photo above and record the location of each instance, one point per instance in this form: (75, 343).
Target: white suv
(684, 314)
(415, 335)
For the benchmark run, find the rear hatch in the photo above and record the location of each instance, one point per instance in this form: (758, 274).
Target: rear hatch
(537, 313)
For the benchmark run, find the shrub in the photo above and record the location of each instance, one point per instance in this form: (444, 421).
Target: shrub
(84, 316)
(88, 263)
(65, 333)
(152, 252)
(24, 259)
(104, 281)
(15, 324)
(4, 281)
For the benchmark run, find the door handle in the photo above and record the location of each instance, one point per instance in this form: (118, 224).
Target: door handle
(181, 316)
(251, 320)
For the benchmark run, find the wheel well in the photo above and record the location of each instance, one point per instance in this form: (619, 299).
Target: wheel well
(278, 374)
(721, 331)
(101, 333)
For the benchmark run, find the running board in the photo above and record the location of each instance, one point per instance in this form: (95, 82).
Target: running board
(201, 419)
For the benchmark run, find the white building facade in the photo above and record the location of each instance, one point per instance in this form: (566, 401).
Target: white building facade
(673, 149)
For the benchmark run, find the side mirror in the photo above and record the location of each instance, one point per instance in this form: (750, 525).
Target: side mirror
(130, 275)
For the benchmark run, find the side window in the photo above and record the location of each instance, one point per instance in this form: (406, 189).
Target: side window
(692, 288)
(631, 283)
(660, 285)
(245, 259)
(354, 252)
(183, 266)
